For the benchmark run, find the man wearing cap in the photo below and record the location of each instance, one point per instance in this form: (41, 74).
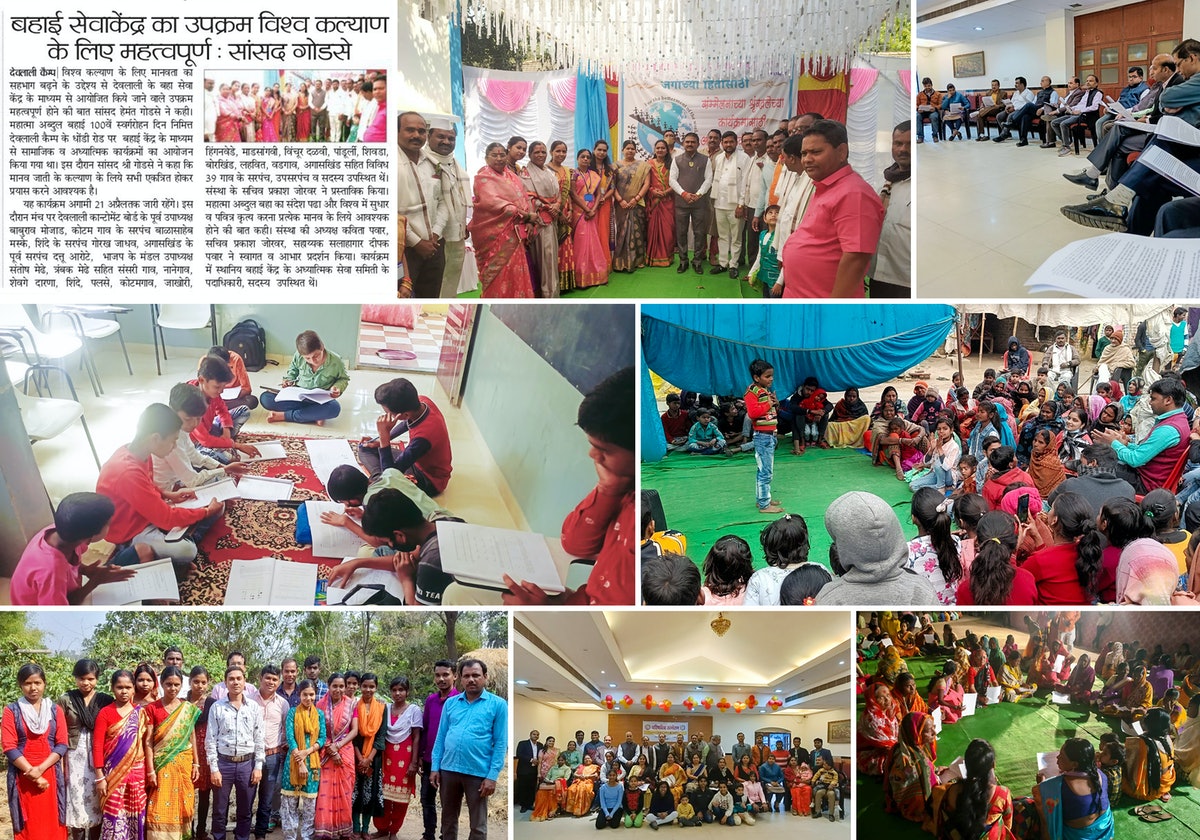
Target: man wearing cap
(452, 182)
(419, 201)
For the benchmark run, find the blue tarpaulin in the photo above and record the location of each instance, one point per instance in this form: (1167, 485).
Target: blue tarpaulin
(709, 348)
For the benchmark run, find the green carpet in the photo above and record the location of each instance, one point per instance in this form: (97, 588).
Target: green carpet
(648, 283)
(1017, 732)
(706, 497)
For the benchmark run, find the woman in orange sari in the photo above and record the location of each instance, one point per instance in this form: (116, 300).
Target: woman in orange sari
(125, 756)
(660, 210)
(908, 699)
(602, 166)
(591, 268)
(566, 246)
(545, 803)
(500, 228)
(583, 788)
(335, 795)
(176, 761)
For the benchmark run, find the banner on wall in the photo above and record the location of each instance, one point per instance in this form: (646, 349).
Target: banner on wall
(654, 105)
(671, 728)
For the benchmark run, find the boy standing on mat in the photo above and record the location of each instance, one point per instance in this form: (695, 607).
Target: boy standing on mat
(762, 407)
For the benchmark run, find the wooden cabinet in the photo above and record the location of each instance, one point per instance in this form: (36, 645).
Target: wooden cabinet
(1107, 39)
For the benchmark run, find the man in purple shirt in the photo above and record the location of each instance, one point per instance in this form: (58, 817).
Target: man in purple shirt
(431, 717)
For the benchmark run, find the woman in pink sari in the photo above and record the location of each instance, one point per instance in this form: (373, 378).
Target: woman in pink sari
(335, 796)
(660, 210)
(229, 117)
(123, 749)
(602, 166)
(500, 227)
(591, 266)
(270, 111)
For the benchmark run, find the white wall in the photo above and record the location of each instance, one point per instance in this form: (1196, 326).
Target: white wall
(1005, 57)
(424, 63)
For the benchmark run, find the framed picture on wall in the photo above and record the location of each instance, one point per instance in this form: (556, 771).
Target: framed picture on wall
(838, 732)
(969, 64)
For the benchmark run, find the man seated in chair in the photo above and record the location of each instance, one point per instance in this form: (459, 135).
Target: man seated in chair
(1021, 108)
(954, 117)
(1080, 107)
(1147, 464)
(929, 107)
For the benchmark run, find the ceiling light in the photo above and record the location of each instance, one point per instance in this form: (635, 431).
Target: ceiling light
(522, 682)
(978, 28)
(843, 662)
(720, 625)
(779, 691)
(612, 685)
(601, 672)
(698, 688)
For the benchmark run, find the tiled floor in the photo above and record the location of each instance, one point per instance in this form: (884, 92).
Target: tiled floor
(477, 492)
(988, 215)
(424, 339)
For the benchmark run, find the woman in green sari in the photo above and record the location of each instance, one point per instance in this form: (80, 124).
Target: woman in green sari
(176, 761)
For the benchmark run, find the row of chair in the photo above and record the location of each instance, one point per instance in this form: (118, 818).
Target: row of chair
(1080, 131)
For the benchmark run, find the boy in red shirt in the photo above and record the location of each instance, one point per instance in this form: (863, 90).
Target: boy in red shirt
(212, 377)
(244, 402)
(762, 407)
(427, 457)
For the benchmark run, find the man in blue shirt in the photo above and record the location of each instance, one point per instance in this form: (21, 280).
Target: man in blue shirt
(470, 750)
(1132, 92)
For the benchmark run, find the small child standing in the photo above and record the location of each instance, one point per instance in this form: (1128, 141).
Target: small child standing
(785, 544)
(1178, 335)
(765, 271)
(762, 406)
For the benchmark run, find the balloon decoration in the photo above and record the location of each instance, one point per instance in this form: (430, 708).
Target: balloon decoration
(609, 702)
(626, 701)
(751, 702)
(739, 707)
(723, 706)
(774, 703)
(665, 705)
(648, 702)
(707, 703)
(689, 704)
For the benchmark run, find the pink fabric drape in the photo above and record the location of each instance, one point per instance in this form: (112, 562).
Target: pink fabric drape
(509, 97)
(906, 79)
(861, 80)
(563, 93)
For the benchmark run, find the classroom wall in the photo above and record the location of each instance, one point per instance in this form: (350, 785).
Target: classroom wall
(1006, 56)
(337, 325)
(525, 411)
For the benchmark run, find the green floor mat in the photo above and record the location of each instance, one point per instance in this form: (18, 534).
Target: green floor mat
(648, 283)
(706, 497)
(1017, 732)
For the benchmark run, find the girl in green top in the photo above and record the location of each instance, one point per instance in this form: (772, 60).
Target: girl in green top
(313, 368)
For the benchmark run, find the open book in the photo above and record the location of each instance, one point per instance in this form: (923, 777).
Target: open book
(326, 454)
(330, 540)
(476, 554)
(153, 582)
(271, 582)
(293, 393)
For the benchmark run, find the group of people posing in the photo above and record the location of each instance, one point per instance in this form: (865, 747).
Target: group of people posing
(324, 759)
(689, 783)
(899, 726)
(318, 111)
(546, 227)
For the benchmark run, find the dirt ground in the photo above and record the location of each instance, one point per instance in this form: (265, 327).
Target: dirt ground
(497, 817)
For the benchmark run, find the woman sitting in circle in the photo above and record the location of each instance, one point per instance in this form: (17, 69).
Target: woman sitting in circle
(911, 776)
(975, 806)
(1150, 759)
(1074, 804)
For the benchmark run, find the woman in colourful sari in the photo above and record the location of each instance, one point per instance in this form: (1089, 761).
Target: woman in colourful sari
(500, 228)
(660, 209)
(910, 776)
(797, 778)
(975, 807)
(335, 795)
(545, 194)
(545, 802)
(80, 707)
(591, 266)
(229, 117)
(34, 735)
(673, 774)
(198, 696)
(270, 109)
(602, 166)
(1082, 680)
(303, 114)
(368, 757)
(125, 754)
(908, 699)
(403, 737)
(1012, 688)
(631, 180)
(581, 791)
(566, 245)
(1150, 759)
(1072, 805)
(878, 730)
(946, 693)
(848, 422)
(891, 666)
(1135, 697)
(304, 730)
(176, 761)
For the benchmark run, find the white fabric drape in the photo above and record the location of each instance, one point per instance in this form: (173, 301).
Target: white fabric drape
(541, 118)
(862, 122)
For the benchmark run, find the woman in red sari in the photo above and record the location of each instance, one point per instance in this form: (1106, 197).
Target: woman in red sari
(35, 741)
(566, 246)
(602, 166)
(500, 227)
(303, 114)
(660, 210)
(403, 724)
(125, 754)
(335, 796)
(591, 267)
(229, 117)
(878, 730)
(198, 696)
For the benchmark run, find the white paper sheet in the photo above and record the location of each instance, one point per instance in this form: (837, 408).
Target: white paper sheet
(1059, 662)
(929, 639)
(1047, 763)
(969, 701)
(271, 582)
(937, 719)
(993, 694)
(885, 642)
(1132, 728)
(153, 582)
(1059, 698)
(231, 393)
(295, 584)
(265, 489)
(1171, 168)
(223, 490)
(268, 450)
(478, 554)
(330, 540)
(1122, 265)
(326, 455)
(295, 394)
(1174, 128)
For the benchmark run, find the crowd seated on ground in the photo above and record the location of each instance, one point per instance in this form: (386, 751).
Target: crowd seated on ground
(1154, 745)
(689, 782)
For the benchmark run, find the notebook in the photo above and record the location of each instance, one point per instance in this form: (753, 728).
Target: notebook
(271, 582)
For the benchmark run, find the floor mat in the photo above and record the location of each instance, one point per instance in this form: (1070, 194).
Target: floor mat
(1017, 732)
(648, 283)
(706, 497)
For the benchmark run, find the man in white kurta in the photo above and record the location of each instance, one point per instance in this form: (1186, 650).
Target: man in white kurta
(454, 186)
(210, 111)
(418, 200)
(730, 168)
(794, 190)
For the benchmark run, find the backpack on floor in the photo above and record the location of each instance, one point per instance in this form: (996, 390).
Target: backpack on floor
(248, 340)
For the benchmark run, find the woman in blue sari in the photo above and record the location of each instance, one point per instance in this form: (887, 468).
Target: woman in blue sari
(1074, 804)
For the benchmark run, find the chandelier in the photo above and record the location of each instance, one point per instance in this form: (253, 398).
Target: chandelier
(720, 625)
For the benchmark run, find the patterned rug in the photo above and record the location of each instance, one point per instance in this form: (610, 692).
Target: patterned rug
(251, 530)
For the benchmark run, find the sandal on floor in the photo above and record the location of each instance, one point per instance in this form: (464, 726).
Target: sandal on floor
(1148, 808)
(1156, 816)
